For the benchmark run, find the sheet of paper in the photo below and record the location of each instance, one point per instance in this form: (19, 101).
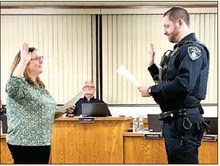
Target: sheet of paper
(125, 73)
(70, 103)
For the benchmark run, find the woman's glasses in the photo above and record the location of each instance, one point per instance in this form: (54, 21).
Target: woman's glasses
(38, 58)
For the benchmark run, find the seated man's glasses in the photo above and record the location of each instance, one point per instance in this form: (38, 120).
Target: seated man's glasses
(92, 87)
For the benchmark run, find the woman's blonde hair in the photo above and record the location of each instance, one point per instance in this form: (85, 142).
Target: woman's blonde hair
(37, 82)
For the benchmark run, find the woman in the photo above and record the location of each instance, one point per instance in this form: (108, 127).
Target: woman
(30, 110)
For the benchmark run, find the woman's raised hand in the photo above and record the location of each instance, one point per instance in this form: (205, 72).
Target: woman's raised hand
(25, 59)
(25, 55)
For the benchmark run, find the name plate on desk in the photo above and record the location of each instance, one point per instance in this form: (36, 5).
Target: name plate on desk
(210, 138)
(152, 136)
(87, 120)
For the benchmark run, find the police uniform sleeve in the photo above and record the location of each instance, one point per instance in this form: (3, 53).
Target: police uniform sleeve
(154, 71)
(190, 63)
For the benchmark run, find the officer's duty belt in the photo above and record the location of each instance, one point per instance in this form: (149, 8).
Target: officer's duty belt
(171, 115)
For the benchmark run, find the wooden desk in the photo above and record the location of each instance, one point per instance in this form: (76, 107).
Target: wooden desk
(208, 152)
(5, 153)
(138, 150)
(106, 142)
(100, 142)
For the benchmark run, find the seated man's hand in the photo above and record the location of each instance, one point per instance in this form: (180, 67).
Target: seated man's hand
(70, 110)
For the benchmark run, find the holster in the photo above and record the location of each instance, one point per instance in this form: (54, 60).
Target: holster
(167, 116)
(171, 115)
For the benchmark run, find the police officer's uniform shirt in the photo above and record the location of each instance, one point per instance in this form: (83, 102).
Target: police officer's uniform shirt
(187, 75)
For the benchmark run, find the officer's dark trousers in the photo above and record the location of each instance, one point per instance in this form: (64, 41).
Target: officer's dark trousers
(181, 144)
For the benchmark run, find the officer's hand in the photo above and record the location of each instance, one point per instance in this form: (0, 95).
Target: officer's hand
(151, 55)
(144, 91)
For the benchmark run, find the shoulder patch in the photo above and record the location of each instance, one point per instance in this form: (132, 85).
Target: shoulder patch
(194, 52)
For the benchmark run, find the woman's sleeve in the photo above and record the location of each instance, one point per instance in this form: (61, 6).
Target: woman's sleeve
(15, 87)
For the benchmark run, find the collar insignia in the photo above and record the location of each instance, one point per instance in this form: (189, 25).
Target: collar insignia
(174, 51)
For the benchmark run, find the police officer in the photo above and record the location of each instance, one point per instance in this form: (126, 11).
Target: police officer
(181, 84)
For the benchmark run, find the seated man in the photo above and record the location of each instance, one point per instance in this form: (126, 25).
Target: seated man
(88, 90)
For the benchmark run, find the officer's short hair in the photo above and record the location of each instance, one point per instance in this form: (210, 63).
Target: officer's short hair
(176, 13)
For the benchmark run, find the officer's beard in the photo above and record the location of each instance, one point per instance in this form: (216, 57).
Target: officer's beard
(173, 37)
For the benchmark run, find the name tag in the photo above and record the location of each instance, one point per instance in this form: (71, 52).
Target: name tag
(87, 120)
(152, 136)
